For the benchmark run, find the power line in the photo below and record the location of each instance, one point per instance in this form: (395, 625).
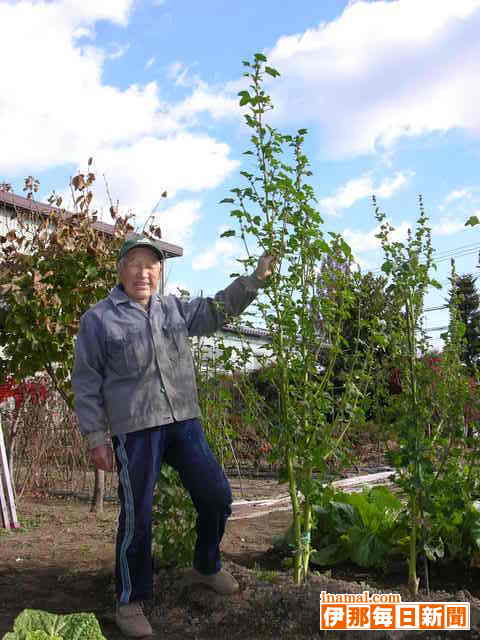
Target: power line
(457, 255)
(443, 306)
(474, 245)
(459, 252)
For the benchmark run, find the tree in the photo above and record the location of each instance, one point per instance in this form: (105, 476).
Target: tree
(53, 267)
(467, 299)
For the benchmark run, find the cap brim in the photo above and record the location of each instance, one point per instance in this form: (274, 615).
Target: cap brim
(143, 245)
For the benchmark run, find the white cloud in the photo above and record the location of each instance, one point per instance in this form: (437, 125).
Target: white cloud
(118, 51)
(83, 32)
(181, 74)
(174, 287)
(177, 222)
(362, 187)
(460, 202)
(218, 101)
(222, 252)
(149, 62)
(65, 113)
(458, 194)
(360, 264)
(448, 227)
(382, 70)
(88, 11)
(139, 172)
(362, 241)
(389, 186)
(204, 99)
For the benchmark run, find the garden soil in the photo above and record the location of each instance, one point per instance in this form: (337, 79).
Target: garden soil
(61, 561)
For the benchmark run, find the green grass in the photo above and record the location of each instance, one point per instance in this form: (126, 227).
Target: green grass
(264, 575)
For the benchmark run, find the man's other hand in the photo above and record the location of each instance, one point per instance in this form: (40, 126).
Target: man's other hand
(102, 457)
(266, 266)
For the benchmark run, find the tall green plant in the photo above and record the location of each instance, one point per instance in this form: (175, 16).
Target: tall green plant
(409, 266)
(428, 415)
(277, 209)
(452, 483)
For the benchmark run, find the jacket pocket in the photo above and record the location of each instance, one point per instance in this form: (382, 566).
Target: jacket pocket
(127, 354)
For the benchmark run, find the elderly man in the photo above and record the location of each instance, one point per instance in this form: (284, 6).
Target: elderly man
(134, 372)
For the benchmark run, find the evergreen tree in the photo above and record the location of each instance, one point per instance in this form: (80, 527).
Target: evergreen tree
(468, 301)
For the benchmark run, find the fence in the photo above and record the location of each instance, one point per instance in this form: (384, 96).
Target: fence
(48, 455)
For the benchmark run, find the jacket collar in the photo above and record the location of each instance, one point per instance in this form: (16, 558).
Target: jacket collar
(118, 296)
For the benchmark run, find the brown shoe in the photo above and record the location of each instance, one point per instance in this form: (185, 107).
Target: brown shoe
(131, 620)
(221, 582)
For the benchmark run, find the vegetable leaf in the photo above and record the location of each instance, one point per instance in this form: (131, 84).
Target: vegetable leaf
(33, 624)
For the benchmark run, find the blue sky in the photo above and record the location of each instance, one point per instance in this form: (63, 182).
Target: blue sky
(387, 89)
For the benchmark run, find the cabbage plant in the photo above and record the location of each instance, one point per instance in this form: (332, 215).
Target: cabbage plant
(34, 624)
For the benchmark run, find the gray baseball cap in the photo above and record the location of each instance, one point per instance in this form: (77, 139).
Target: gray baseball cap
(139, 240)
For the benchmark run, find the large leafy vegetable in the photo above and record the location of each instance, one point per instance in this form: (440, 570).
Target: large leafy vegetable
(33, 624)
(366, 528)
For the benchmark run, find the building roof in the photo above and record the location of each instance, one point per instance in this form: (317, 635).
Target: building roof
(27, 205)
(248, 331)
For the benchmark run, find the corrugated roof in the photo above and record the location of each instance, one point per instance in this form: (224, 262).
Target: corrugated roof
(15, 202)
(249, 331)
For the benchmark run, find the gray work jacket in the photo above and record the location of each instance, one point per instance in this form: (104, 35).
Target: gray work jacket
(134, 368)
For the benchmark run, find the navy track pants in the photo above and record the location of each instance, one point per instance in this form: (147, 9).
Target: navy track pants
(139, 456)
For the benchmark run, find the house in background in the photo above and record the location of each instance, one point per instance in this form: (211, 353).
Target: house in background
(12, 205)
(255, 339)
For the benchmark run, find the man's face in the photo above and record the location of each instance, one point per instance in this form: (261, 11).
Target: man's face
(140, 273)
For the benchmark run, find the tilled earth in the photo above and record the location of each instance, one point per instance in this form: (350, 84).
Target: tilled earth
(62, 558)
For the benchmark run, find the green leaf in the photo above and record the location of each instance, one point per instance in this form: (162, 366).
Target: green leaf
(245, 98)
(34, 624)
(271, 71)
(227, 234)
(260, 57)
(434, 551)
(331, 554)
(387, 267)
(227, 201)
(472, 221)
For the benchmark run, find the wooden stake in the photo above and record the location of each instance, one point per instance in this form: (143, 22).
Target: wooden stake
(3, 504)
(12, 516)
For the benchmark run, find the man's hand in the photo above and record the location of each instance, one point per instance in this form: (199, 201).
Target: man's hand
(102, 457)
(266, 266)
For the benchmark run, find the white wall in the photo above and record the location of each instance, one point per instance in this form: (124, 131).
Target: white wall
(209, 346)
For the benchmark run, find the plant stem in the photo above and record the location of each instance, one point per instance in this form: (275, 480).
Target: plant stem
(307, 526)
(412, 560)
(297, 525)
